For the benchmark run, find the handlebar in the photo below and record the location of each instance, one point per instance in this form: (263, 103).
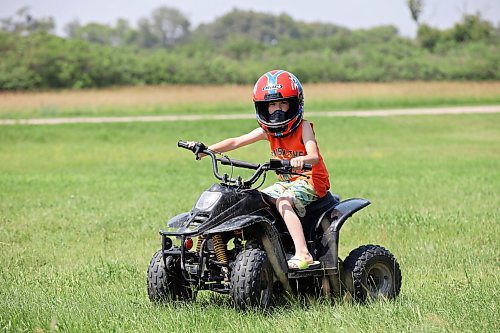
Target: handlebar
(238, 163)
(277, 165)
(286, 164)
(196, 149)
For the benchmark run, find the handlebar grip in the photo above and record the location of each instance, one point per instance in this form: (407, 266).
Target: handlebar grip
(197, 148)
(285, 163)
(307, 167)
(183, 144)
(276, 163)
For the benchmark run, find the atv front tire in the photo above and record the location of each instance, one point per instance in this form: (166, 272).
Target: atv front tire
(251, 280)
(372, 272)
(166, 283)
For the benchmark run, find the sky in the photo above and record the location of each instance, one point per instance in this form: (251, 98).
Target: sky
(352, 14)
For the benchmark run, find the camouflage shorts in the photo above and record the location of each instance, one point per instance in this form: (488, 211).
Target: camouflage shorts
(301, 192)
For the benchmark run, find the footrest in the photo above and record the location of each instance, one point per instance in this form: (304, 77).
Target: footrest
(295, 274)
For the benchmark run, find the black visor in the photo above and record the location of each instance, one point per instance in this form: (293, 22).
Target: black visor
(262, 108)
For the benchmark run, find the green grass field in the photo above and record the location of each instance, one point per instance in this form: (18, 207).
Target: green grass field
(80, 207)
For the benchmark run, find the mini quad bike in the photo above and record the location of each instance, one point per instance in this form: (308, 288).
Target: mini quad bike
(235, 242)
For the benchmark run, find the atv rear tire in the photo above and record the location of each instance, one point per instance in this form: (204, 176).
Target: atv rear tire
(372, 272)
(166, 283)
(251, 280)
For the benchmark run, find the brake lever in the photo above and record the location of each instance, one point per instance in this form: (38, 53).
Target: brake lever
(288, 171)
(299, 174)
(198, 148)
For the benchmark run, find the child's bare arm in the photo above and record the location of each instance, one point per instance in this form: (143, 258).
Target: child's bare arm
(234, 143)
(240, 141)
(309, 140)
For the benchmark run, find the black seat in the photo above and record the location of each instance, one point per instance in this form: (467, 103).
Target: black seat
(319, 205)
(315, 210)
(322, 203)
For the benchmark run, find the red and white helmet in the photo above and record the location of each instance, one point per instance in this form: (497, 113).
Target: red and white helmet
(274, 86)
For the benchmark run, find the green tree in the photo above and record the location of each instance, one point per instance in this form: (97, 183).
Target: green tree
(472, 28)
(25, 23)
(118, 35)
(263, 28)
(416, 7)
(428, 36)
(123, 33)
(168, 25)
(145, 36)
(91, 32)
(239, 47)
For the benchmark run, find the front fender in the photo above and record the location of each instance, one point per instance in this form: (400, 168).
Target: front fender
(178, 220)
(238, 222)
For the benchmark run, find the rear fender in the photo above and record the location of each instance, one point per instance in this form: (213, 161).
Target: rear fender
(336, 216)
(331, 222)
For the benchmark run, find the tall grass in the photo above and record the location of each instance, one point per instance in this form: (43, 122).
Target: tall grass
(80, 207)
(238, 99)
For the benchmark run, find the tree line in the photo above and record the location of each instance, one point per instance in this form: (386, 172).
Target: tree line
(235, 49)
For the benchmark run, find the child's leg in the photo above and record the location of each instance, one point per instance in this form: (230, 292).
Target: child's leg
(285, 208)
(297, 194)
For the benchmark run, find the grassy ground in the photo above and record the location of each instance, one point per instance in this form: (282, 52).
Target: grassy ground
(237, 99)
(80, 206)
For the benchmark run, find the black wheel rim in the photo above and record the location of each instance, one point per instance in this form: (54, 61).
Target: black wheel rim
(379, 280)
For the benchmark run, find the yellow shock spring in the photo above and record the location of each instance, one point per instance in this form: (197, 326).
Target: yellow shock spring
(198, 243)
(220, 249)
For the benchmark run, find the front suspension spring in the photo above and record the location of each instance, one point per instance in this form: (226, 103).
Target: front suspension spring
(198, 243)
(220, 249)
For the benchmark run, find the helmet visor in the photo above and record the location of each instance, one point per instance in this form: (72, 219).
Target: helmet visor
(262, 109)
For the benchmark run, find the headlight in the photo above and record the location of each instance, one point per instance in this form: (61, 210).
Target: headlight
(207, 200)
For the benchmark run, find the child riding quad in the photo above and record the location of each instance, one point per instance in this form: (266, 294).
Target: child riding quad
(234, 241)
(250, 241)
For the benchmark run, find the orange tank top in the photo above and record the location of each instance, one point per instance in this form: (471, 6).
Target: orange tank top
(292, 146)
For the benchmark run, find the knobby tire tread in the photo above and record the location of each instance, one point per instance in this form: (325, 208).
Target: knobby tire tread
(355, 265)
(245, 278)
(162, 287)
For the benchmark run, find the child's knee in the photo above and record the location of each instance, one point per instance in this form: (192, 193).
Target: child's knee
(283, 201)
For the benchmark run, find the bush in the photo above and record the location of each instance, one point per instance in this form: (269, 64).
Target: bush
(469, 51)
